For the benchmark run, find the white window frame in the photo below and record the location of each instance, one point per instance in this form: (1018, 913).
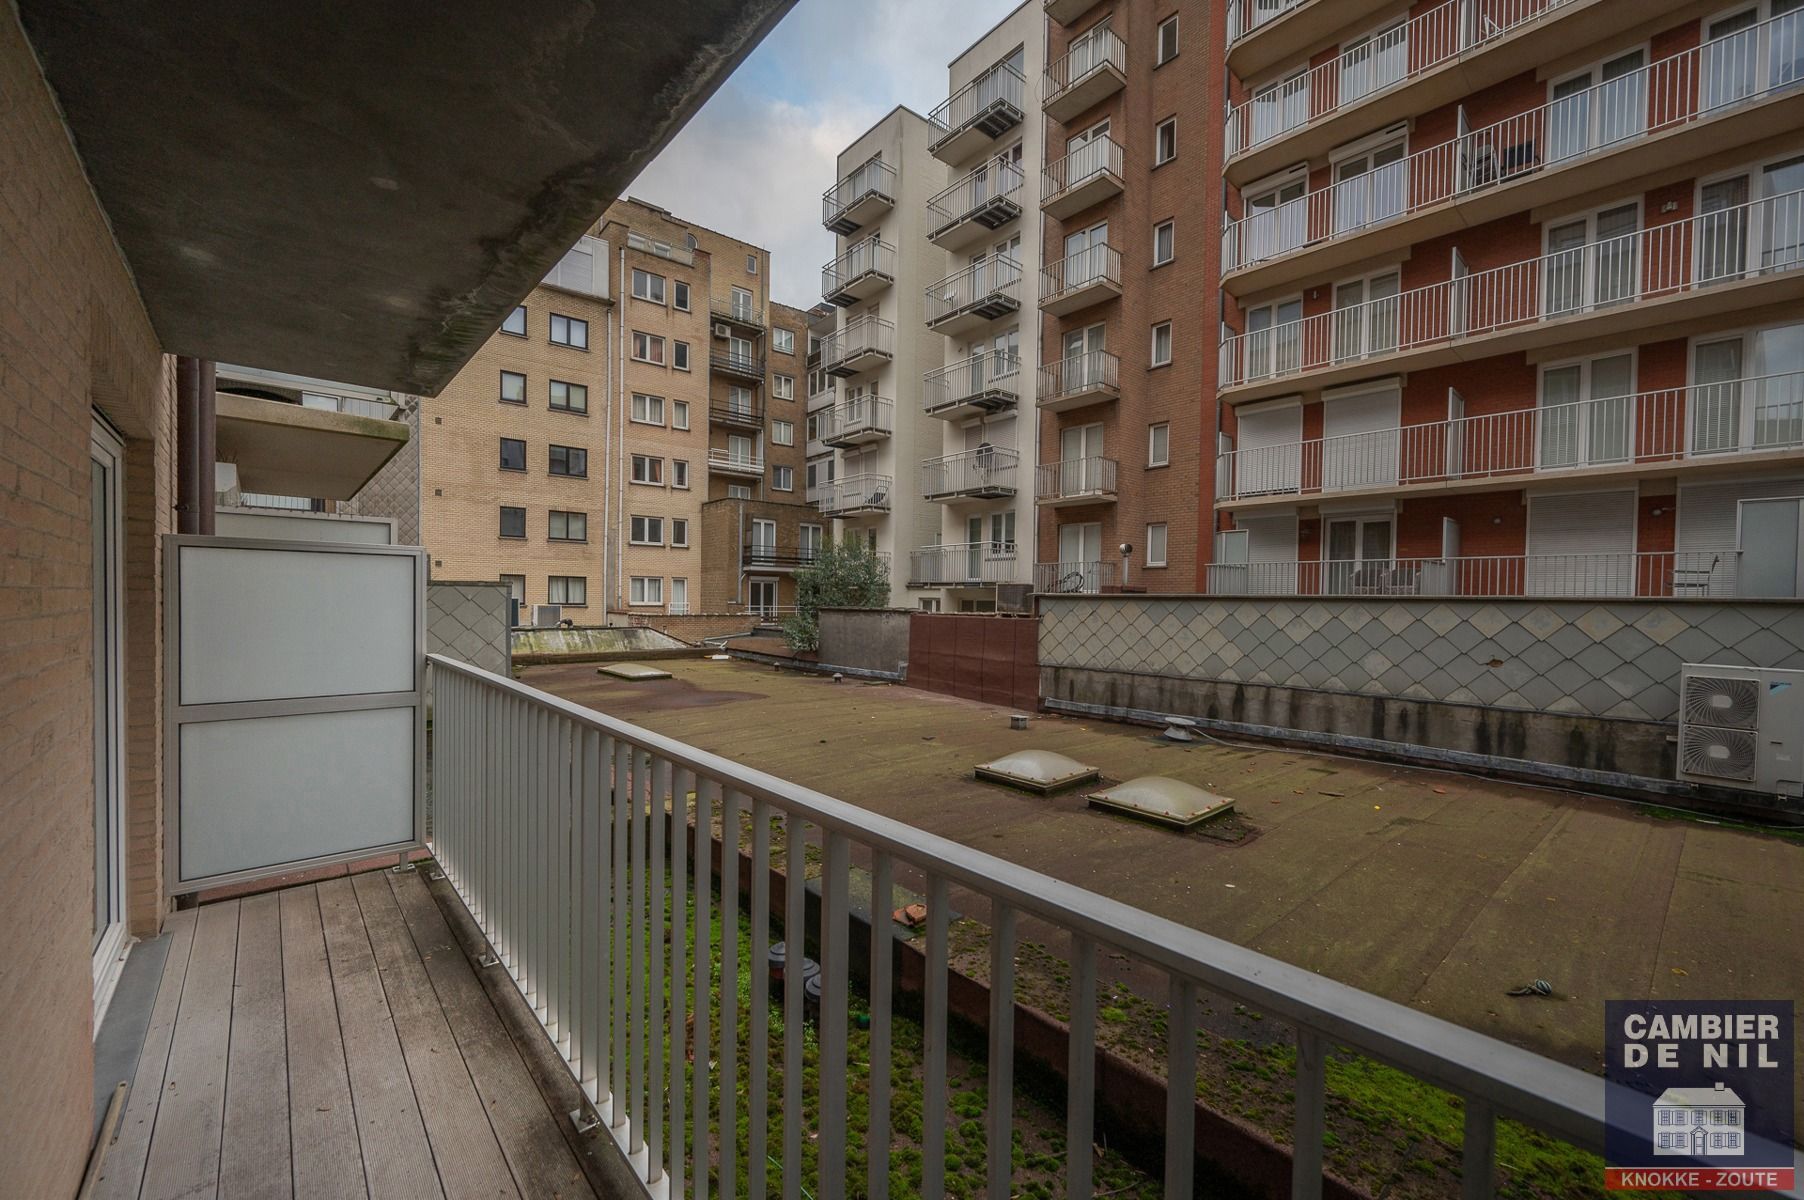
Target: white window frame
(1160, 157)
(643, 346)
(653, 404)
(783, 341)
(679, 414)
(525, 322)
(679, 294)
(654, 289)
(552, 581)
(679, 355)
(653, 475)
(783, 479)
(1169, 226)
(1160, 55)
(646, 591)
(1165, 539)
(1153, 457)
(783, 387)
(679, 533)
(679, 474)
(1153, 354)
(645, 530)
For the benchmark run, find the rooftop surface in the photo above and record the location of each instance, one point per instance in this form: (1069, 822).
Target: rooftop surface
(1437, 890)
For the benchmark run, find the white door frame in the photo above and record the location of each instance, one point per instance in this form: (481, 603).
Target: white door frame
(107, 451)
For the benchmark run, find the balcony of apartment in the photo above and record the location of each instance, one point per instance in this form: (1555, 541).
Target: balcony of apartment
(969, 299)
(978, 113)
(986, 473)
(738, 463)
(1263, 33)
(1076, 578)
(736, 414)
(323, 448)
(860, 273)
(862, 344)
(1662, 574)
(858, 421)
(1088, 277)
(1082, 179)
(852, 495)
(987, 382)
(768, 556)
(962, 564)
(742, 313)
(1093, 68)
(1075, 481)
(1093, 377)
(1064, 12)
(860, 198)
(1663, 281)
(973, 208)
(1732, 425)
(739, 366)
(1690, 106)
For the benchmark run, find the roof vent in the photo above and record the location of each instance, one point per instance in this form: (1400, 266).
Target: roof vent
(637, 672)
(1163, 801)
(1042, 771)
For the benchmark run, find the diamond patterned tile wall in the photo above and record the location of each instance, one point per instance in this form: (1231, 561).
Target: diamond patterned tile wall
(468, 622)
(1612, 658)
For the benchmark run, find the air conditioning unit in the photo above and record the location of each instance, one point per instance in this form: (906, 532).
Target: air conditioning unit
(546, 616)
(722, 329)
(1742, 727)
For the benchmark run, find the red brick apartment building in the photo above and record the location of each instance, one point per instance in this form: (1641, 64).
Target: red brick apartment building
(1512, 299)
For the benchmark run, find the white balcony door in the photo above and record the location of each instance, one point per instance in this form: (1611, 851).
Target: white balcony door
(1088, 52)
(1586, 412)
(764, 597)
(1716, 404)
(1080, 452)
(1270, 457)
(1581, 545)
(1593, 261)
(739, 449)
(1087, 153)
(742, 299)
(1771, 542)
(1369, 64)
(1361, 443)
(1080, 557)
(764, 539)
(1083, 357)
(1271, 555)
(1365, 316)
(1276, 222)
(1274, 339)
(106, 592)
(1281, 107)
(1086, 255)
(1597, 107)
(1357, 556)
(1370, 187)
(974, 548)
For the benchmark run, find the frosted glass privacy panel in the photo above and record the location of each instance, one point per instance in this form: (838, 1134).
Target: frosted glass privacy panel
(303, 527)
(285, 624)
(269, 790)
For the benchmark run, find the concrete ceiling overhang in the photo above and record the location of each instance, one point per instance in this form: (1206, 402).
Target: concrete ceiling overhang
(358, 191)
(287, 450)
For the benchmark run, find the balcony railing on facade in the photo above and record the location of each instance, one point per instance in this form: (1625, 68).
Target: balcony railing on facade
(962, 564)
(865, 269)
(1082, 179)
(1694, 86)
(858, 421)
(1076, 577)
(1246, 16)
(963, 301)
(1601, 287)
(1704, 425)
(855, 494)
(1093, 68)
(768, 556)
(1093, 377)
(740, 366)
(987, 472)
(978, 113)
(747, 314)
(862, 344)
(722, 461)
(860, 198)
(745, 415)
(1079, 280)
(1075, 481)
(1660, 574)
(987, 382)
(978, 204)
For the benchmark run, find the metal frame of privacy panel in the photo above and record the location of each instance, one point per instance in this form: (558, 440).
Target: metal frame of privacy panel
(294, 711)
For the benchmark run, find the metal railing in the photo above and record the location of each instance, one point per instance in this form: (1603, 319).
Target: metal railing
(720, 457)
(1245, 16)
(864, 492)
(1098, 156)
(996, 179)
(985, 471)
(1747, 241)
(962, 563)
(1075, 479)
(1092, 265)
(1693, 85)
(1079, 374)
(983, 375)
(771, 556)
(1077, 577)
(874, 176)
(859, 415)
(1407, 50)
(1087, 54)
(730, 413)
(736, 364)
(745, 312)
(1659, 574)
(1000, 85)
(869, 257)
(1729, 417)
(859, 337)
(991, 281)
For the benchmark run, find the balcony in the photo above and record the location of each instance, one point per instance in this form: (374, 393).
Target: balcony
(736, 416)
(860, 198)
(1093, 68)
(1746, 423)
(860, 273)
(969, 299)
(1075, 578)
(1248, 17)
(859, 421)
(978, 113)
(966, 213)
(855, 494)
(1064, 12)
(986, 473)
(726, 462)
(1694, 104)
(1086, 278)
(1093, 377)
(739, 366)
(862, 344)
(1646, 574)
(1075, 481)
(1082, 179)
(762, 556)
(987, 382)
(1656, 282)
(962, 564)
(746, 315)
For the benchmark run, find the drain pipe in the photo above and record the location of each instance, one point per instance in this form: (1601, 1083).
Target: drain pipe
(195, 445)
(207, 437)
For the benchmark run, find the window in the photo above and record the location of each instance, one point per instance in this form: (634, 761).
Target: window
(1155, 545)
(1158, 445)
(648, 531)
(647, 286)
(680, 296)
(1593, 259)
(569, 397)
(569, 331)
(1165, 141)
(679, 356)
(679, 472)
(679, 414)
(782, 433)
(679, 531)
(1002, 532)
(1274, 221)
(783, 341)
(679, 595)
(515, 322)
(751, 264)
(1365, 316)
(513, 522)
(808, 542)
(646, 589)
(516, 586)
(648, 468)
(739, 401)
(783, 387)
(567, 589)
(1274, 339)
(568, 526)
(1168, 40)
(783, 479)
(739, 491)
(513, 454)
(1370, 182)
(513, 387)
(1162, 344)
(647, 347)
(648, 410)
(814, 425)
(569, 460)
(1165, 237)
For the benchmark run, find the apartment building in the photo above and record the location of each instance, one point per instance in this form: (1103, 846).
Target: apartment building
(1130, 195)
(1513, 299)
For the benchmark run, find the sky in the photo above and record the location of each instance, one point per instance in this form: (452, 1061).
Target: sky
(754, 161)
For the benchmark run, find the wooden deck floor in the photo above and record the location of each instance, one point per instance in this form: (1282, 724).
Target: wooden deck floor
(332, 1040)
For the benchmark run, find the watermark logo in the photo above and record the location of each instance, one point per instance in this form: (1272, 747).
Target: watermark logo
(1700, 1095)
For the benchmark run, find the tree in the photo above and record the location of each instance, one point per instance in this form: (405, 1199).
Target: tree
(845, 574)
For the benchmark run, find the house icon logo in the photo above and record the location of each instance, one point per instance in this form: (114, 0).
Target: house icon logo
(1696, 1122)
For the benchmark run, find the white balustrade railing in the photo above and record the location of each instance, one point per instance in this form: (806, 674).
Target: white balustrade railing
(724, 459)
(985, 374)
(1098, 156)
(996, 179)
(987, 470)
(1246, 16)
(866, 414)
(1099, 264)
(992, 280)
(872, 177)
(1075, 479)
(1656, 574)
(1075, 577)
(868, 257)
(859, 337)
(1000, 85)
(1087, 53)
(963, 563)
(1078, 374)
(864, 492)
(1746, 241)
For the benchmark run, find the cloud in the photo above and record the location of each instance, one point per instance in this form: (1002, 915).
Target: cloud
(754, 162)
